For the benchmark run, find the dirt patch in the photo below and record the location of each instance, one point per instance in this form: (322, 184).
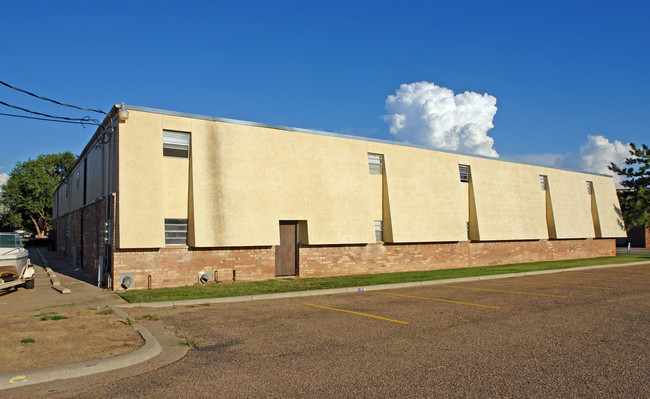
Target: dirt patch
(39, 340)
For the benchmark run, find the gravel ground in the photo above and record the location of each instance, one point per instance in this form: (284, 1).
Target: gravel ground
(586, 335)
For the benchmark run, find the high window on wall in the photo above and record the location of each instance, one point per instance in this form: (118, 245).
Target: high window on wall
(375, 163)
(176, 144)
(464, 173)
(379, 230)
(543, 182)
(590, 188)
(175, 231)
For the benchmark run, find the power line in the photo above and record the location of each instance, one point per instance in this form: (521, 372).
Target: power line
(53, 101)
(84, 119)
(81, 122)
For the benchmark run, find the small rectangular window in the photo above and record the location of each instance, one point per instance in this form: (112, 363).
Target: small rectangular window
(375, 163)
(176, 231)
(464, 173)
(176, 144)
(590, 188)
(543, 182)
(379, 230)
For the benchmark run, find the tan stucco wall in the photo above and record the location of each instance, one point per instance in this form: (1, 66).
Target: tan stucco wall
(428, 202)
(140, 191)
(509, 205)
(609, 209)
(176, 187)
(571, 203)
(241, 180)
(246, 179)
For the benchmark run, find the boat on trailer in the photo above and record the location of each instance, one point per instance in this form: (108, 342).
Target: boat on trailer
(15, 267)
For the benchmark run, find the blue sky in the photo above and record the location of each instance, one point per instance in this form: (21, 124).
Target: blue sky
(560, 70)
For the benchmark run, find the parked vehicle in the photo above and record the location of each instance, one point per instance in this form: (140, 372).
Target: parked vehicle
(15, 267)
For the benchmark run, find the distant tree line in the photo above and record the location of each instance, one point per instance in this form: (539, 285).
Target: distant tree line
(635, 201)
(26, 198)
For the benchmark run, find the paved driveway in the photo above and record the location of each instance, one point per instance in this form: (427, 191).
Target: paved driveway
(573, 334)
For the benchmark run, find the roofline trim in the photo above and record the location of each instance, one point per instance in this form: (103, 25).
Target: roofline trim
(339, 135)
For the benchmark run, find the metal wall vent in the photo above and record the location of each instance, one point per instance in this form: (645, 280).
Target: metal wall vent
(127, 280)
(204, 277)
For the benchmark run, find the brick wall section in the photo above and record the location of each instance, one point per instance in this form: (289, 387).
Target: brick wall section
(175, 266)
(321, 261)
(88, 221)
(93, 240)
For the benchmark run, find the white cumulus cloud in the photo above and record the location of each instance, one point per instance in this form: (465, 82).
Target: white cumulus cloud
(594, 156)
(598, 152)
(430, 115)
(3, 179)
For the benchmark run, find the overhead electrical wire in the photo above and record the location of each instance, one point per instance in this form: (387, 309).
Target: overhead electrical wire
(83, 123)
(50, 100)
(79, 120)
(105, 132)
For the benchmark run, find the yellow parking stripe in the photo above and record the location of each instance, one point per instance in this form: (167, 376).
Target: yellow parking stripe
(359, 313)
(437, 299)
(560, 285)
(510, 292)
(602, 279)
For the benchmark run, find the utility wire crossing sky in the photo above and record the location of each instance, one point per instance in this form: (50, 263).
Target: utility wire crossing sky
(554, 83)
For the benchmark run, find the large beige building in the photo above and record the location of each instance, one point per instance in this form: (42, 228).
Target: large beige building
(161, 198)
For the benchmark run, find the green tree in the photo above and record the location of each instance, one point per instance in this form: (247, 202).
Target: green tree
(26, 198)
(635, 199)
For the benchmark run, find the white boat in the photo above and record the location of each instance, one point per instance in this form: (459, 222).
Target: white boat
(15, 268)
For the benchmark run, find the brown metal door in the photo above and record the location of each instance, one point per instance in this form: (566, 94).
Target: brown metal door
(285, 254)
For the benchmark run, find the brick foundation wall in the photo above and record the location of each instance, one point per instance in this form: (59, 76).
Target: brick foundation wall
(175, 266)
(321, 261)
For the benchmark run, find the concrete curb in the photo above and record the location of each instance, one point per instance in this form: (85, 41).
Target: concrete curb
(150, 349)
(54, 279)
(246, 298)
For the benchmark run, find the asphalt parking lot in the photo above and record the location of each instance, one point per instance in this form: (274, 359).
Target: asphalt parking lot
(571, 334)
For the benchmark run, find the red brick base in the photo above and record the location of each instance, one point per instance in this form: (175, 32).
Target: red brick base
(79, 235)
(175, 266)
(389, 258)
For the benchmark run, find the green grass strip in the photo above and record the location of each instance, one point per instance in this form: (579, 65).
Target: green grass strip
(214, 290)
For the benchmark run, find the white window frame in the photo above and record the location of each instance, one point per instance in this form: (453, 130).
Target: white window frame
(543, 182)
(379, 230)
(176, 144)
(375, 163)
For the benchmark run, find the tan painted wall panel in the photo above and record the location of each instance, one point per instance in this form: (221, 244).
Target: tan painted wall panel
(245, 179)
(242, 180)
(508, 201)
(427, 200)
(376, 186)
(176, 187)
(571, 203)
(609, 209)
(141, 194)
(94, 187)
(76, 187)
